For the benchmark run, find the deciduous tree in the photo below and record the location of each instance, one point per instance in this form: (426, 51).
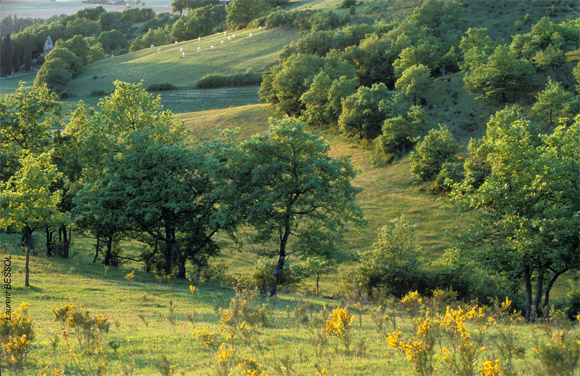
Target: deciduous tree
(294, 194)
(27, 202)
(528, 207)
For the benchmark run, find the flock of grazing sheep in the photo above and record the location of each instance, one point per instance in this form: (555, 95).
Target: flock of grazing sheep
(212, 47)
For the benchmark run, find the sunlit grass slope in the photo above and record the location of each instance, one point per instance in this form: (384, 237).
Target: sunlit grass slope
(149, 320)
(387, 192)
(170, 66)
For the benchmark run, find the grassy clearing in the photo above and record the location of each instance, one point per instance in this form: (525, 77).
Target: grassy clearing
(169, 66)
(144, 328)
(10, 84)
(388, 192)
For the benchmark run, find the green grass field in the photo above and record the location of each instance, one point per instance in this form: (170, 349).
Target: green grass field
(148, 316)
(149, 319)
(169, 66)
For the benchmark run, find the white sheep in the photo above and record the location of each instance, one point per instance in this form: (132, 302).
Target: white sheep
(181, 49)
(175, 42)
(222, 42)
(230, 38)
(251, 35)
(234, 35)
(260, 28)
(158, 50)
(225, 33)
(199, 39)
(212, 47)
(183, 54)
(152, 45)
(198, 49)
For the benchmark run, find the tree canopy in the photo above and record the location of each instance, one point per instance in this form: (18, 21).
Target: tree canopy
(528, 206)
(294, 194)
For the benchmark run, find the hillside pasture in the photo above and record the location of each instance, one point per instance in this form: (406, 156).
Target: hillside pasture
(169, 66)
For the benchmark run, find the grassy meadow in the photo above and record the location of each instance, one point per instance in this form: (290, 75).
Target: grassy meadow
(160, 326)
(155, 325)
(241, 54)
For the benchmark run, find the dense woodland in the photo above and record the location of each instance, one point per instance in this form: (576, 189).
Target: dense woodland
(124, 169)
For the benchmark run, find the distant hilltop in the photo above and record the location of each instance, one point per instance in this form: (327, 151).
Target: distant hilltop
(105, 2)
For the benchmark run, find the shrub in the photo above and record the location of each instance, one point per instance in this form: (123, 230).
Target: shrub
(392, 264)
(397, 138)
(216, 273)
(339, 325)
(428, 158)
(16, 335)
(212, 81)
(561, 355)
(262, 276)
(88, 328)
(161, 87)
(347, 4)
(451, 173)
(572, 300)
(98, 93)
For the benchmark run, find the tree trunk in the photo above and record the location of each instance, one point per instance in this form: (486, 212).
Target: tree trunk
(66, 237)
(549, 288)
(27, 242)
(281, 259)
(49, 235)
(180, 256)
(109, 252)
(97, 248)
(528, 284)
(317, 284)
(167, 253)
(539, 289)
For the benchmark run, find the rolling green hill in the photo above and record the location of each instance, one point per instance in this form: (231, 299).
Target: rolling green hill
(170, 66)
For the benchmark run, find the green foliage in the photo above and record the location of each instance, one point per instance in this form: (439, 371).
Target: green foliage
(414, 82)
(28, 117)
(421, 55)
(552, 99)
(211, 81)
(291, 189)
(78, 46)
(60, 66)
(361, 114)
(27, 204)
(477, 46)
(392, 264)
(323, 100)
(137, 15)
(112, 40)
(161, 87)
(241, 12)
(200, 22)
(538, 210)
(572, 300)
(285, 83)
(398, 136)
(155, 37)
(502, 77)
(16, 336)
(450, 173)
(438, 147)
(576, 73)
(547, 42)
(181, 5)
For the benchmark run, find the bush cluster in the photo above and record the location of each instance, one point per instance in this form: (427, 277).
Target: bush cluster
(161, 87)
(212, 81)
